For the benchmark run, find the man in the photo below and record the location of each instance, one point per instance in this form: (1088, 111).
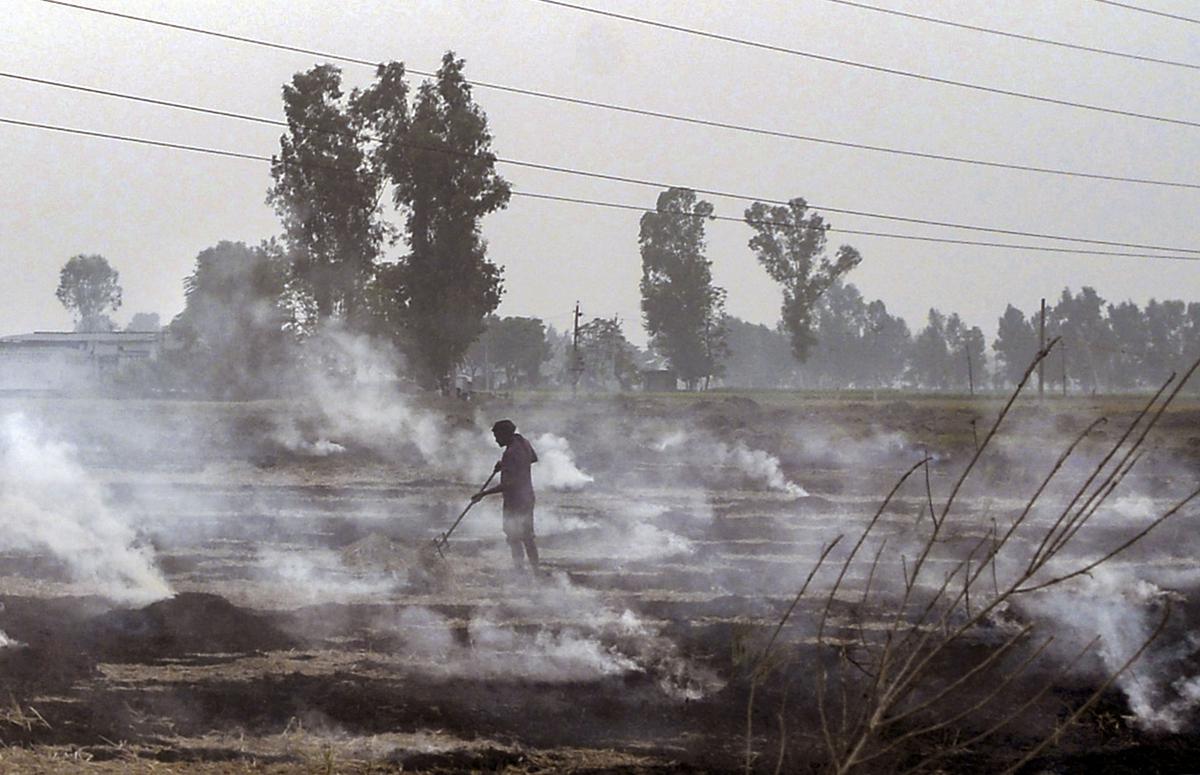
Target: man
(516, 484)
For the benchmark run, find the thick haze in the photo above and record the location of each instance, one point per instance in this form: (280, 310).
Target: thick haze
(151, 210)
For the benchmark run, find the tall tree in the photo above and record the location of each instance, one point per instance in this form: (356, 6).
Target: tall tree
(836, 357)
(681, 308)
(930, 366)
(325, 193)
(1166, 327)
(888, 343)
(1088, 346)
(516, 346)
(1191, 342)
(966, 361)
(89, 287)
(790, 244)
(1130, 343)
(232, 327)
(439, 161)
(1015, 345)
(758, 356)
(608, 357)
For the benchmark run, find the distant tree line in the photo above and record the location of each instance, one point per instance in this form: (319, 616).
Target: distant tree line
(381, 191)
(1104, 347)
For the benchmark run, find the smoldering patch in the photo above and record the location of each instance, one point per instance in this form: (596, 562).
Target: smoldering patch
(50, 503)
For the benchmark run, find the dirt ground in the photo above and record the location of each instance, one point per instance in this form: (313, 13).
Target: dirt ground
(312, 630)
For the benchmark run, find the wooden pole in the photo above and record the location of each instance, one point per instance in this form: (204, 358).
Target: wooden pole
(1063, 348)
(576, 365)
(1042, 346)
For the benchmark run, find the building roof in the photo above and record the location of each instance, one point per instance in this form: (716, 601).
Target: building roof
(79, 337)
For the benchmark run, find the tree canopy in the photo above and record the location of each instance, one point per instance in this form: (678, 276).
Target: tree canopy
(325, 193)
(439, 164)
(232, 328)
(682, 310)
(89, 288)
(789, 242)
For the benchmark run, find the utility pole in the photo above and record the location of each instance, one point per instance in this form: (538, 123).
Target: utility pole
(576, 363)
(970, 372)
(1041, 347)
(1063, 350)
(613, 347)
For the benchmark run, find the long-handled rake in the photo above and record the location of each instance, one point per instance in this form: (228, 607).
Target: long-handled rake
(443, 540)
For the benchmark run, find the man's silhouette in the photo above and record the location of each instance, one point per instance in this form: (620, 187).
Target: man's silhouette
(516, 484)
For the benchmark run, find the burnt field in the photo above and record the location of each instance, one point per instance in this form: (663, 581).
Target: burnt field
(249, 587)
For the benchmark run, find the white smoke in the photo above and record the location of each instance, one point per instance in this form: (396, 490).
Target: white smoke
(760, 466)
(359, 405)
(294, 440)
(1123, 610)
(293, 577)
(592, 641)
(49, 503)
(756, 464)
(7, 642)
(556, 467)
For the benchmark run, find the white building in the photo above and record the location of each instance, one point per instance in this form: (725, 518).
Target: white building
(65, 361)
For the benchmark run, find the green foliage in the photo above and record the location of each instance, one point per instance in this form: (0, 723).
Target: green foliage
(1015, 345)
(966, 353)
(325, 193)
(929, 366)
(439, 163)
(757, 357)
(515, 346)
(789, 241)
(1088, 347)
(683, 311)
(88, 287)
(232, 328)
(144, 322)
(608, 358)
(857, 344)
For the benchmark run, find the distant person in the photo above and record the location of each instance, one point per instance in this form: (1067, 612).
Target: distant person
(516, 484)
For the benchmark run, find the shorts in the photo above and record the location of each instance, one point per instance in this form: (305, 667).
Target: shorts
(518, 525)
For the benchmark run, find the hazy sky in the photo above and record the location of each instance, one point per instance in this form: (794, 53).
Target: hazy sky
(150, 210)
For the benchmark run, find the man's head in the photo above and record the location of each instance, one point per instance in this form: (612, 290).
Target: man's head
(504, 430)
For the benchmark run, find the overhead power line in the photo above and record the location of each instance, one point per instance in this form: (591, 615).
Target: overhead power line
(869, 67)
(1140, 9)
(586, 173)
(861, 232)
(1017, 36)
(647, 113)
(595, 202)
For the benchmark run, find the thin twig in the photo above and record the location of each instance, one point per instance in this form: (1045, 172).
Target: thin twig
(861, 539)
(1090, 566)
(1046, 539)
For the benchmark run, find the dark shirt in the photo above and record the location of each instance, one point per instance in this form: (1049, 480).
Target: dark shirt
(516, 475)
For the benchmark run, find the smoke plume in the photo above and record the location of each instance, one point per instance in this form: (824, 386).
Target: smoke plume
(49, 503)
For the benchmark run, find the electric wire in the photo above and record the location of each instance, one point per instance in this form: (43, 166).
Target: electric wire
(866, 66)
(647, 113)
(1017, 35)
(588, 173)
(858, 232)
(1140, 9)
(595, 202)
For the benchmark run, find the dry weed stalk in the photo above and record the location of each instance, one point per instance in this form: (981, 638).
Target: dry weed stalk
(899, 706)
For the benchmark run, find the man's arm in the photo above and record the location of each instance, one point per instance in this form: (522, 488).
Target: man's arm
(494, 490)
(484, 493)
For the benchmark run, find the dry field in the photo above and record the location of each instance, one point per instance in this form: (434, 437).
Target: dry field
(309, 629)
